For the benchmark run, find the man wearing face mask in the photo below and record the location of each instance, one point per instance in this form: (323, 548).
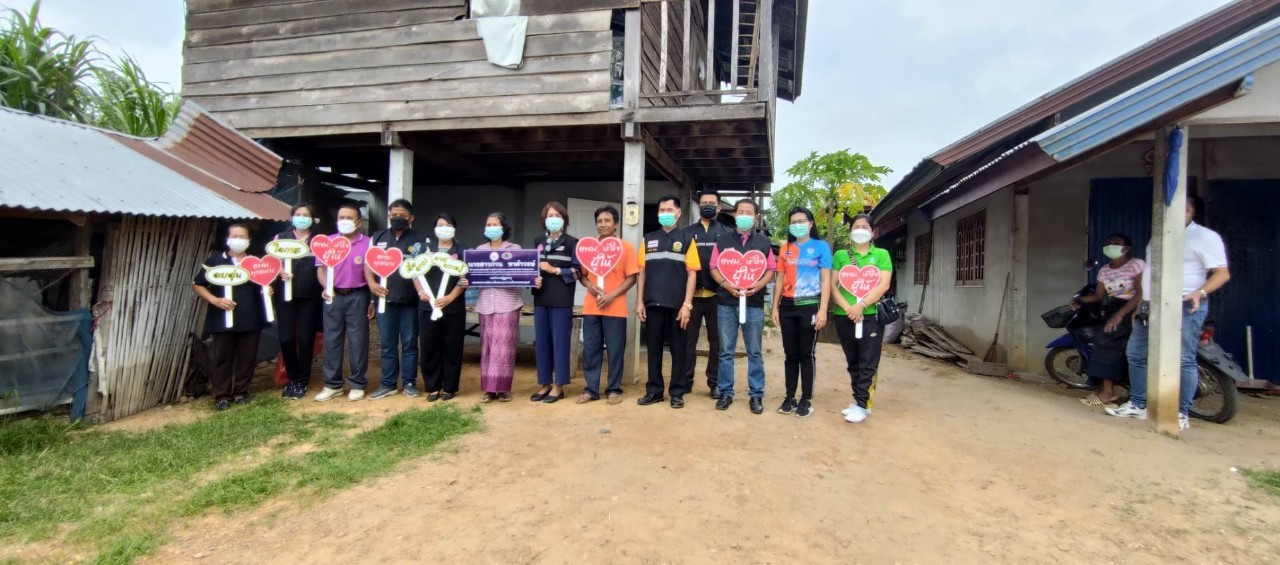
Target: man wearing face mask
(745, 239)
(669, 266)
(347, 311)
(398, 325)
(704, 233)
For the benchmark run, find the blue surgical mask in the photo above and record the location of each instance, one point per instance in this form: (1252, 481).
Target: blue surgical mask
(554, 224)
(799, 230)
(667, 219)
(302, 222)
(493, 233)
(745, 222)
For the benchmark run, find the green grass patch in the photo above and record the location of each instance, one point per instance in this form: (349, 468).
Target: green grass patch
(1267, 481)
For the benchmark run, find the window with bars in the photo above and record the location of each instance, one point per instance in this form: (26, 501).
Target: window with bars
(923, 257)
(971, 244)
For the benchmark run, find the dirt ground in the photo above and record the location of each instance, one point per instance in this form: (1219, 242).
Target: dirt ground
(950, 468)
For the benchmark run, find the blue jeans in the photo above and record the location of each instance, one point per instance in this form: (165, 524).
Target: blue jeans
(398, 329)
(553, 332)
(598, 334)
(1192, 324)
(727, 318)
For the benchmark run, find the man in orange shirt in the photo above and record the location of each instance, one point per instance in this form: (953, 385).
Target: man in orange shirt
(604, 315)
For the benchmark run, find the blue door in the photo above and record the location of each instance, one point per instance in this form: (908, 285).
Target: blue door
(1119, 206)
(1244, 212)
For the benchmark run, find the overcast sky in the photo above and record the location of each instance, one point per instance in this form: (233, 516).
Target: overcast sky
(893, 79)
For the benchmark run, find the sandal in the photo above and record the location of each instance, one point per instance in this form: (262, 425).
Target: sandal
(585, 398)
(615, 397)
(489, 397)
(504, 397)
(1091, 400)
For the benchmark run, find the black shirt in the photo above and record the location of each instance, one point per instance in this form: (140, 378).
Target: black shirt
(433, 277)
(666, 267)
(706, 241)
(250, 314)
(305, 282)
(556, 291)
(413, 244)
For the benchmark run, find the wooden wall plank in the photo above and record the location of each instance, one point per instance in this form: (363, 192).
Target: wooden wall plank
(316, 26)
(306, 10)
(536, 46)
(536, 7)
(442, 32)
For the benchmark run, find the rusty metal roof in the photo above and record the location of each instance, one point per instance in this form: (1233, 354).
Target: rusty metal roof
(201, 168)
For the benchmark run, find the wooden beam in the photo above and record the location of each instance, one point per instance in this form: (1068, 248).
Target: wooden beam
(753, 56)
(447, 158)
(767, 51)
(664, 39)
(1168, 229)
(362, 183)
(689, 72)
(664, 162)
(744, 111)
(539, 7)
(15, 264)
(81, 290)
(712, 82)
(631, 60)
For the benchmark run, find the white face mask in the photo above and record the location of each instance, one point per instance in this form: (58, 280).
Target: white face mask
(237, 245)
(346, 227)
(860, 236)
(444, 233)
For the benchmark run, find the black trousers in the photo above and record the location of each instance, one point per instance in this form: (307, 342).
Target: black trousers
(440, 349)
(862, 356)
(704, 310)
(663, 328)
(799, 340)
(234, 355)
(298, 322)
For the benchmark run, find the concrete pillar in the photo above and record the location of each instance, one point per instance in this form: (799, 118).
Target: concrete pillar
(1168, 231)
(1017, 307)
(633, 198)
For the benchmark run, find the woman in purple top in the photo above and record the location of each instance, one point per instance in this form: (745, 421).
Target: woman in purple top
(499, 310)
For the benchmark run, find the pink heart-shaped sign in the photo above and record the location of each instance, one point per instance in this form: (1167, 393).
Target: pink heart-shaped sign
(599, 256)
(859, 281)
(330, 250)
(262, 270)
(742, 269)
(383, 261)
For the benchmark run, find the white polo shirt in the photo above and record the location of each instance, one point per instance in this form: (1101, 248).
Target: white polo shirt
(1203, 251)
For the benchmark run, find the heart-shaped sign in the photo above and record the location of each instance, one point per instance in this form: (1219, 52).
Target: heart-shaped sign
(384, 262)
(330, 250)
(742, 269)
(599, 257)
(261, 270)
(415, 267)
(859, 281)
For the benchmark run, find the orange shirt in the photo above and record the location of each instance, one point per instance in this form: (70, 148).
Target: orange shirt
(629, 266)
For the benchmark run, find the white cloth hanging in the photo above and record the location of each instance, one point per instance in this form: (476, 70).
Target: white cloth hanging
(502, 31)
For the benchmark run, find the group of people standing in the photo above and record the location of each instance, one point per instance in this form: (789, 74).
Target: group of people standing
(680, 289)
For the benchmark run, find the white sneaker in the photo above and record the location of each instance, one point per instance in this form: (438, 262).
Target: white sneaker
(1128, 410)
(849, 410)
(1184, 422)
(856, 415)
(355, 394)
(327, 394)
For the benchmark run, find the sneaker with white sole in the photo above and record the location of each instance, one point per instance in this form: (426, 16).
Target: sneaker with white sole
(1184, 422)
(804, 409)
(849, 410)
(355, 394)
(382, 392)
(1128, 410)
(856, 415)
(328, 394)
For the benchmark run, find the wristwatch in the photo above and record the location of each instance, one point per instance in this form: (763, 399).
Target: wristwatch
(1203, 293)
(688, 305)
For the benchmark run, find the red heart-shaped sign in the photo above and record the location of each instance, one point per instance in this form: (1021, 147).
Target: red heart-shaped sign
(330, 250)
(383, 261)
(859, 281)
(262, 270)
(599, 256)
(742, 269)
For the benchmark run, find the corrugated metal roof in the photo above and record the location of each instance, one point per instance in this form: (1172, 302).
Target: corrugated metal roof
(199, 169)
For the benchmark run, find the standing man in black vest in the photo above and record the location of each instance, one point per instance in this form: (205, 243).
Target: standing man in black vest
(669, 267)
(398, 326)
(705, 303)
(743, 240)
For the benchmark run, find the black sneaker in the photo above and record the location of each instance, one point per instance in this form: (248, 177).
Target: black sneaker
(221, 405)
(715, 392)
(804, 409)
(757, 406)
(788, 406)
(724, 402)
(648, 399)
(677, 402)
(240, 400)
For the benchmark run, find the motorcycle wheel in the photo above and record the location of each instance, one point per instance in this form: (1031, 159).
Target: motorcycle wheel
(1216, 396)
(1066, 366)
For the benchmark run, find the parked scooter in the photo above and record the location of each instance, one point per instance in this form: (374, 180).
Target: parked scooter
(1067, 362)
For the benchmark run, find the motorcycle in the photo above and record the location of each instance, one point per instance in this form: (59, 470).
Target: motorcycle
(1067, 361)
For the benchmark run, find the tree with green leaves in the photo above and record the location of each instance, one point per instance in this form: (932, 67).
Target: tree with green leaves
(835, 186)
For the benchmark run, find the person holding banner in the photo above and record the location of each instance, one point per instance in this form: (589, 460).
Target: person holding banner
(440, 345)
(298, 317)
(553, 303)
(604, 315)
(744, 294)
(347, 310)
(861, 351)
(398, 317)
(499, 310)
(669, 266)
(800, 306)
(235, 337)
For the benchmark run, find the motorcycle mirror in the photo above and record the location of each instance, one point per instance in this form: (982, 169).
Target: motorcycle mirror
(1091, 264)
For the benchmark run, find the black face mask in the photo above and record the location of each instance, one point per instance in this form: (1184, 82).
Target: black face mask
(708, 212)
(398, 223)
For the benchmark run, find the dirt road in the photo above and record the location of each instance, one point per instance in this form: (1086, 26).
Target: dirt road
(950, 468)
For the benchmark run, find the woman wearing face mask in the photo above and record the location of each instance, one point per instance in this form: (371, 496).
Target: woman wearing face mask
(553, 303)
(235, 348)
(440, 341)
(1119, 283)
(499, 310)
(800, 308)
(298, 320)
(861, 354)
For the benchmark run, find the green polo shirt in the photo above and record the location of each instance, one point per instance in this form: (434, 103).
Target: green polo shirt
(874, 256)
